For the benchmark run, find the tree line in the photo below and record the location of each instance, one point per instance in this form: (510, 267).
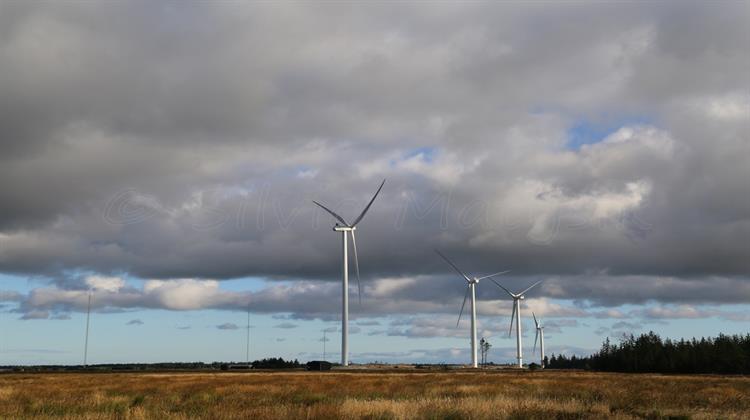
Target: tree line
(648, 352)
(268, 363)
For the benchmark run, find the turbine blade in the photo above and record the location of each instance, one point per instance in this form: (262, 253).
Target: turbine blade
(506, 290)
(530, 287)
(535, 338)
(339, 218)
(454, 266)
(493, 275)
(466, 295)
(368, 204)
(512, 315)
(535, 321)
(356, 266)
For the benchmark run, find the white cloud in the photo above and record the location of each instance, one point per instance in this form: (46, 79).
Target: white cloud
(732, 106)
(106, 284)
(186, 294)
(681, 311)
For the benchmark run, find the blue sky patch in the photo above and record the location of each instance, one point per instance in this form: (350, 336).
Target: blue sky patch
(584, 131)
(428, 153)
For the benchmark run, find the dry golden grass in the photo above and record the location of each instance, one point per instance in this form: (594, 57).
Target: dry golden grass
(372, 395)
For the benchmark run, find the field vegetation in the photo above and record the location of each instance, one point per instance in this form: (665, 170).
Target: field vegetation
(372, 394)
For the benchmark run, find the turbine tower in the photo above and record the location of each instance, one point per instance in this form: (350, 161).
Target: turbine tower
(540, 336)
(517, 298)
(471, 284)
(345, 228)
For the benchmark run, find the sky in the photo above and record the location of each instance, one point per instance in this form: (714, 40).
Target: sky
(163, 157)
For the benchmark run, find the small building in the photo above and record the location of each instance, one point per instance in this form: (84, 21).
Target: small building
(318, 365)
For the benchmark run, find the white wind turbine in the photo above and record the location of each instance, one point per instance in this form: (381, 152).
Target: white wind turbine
(540, 336)
(345, 228)
(470, 286)
(517, 298)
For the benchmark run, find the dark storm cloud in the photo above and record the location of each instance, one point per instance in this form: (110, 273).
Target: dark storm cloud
(188, 140)
(616, 290)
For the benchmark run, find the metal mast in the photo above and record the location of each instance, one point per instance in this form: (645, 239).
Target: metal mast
(86, 340)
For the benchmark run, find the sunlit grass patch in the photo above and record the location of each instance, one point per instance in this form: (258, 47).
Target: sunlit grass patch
(379, 395)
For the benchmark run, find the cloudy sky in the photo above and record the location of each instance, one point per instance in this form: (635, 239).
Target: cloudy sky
(165, 158)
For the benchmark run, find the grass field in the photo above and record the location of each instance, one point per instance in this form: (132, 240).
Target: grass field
(375, 395)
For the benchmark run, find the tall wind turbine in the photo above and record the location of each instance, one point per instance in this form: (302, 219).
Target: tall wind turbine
(517, 298)
(345, 228)
(471, 284)
(540, 336)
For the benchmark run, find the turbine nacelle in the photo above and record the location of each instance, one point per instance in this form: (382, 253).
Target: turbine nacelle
(516, 296)
(538, 324)
(340, 228)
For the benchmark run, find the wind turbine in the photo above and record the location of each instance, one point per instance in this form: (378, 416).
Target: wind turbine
(540, 335)
(471, 284)
(86, 340)
(517, 298)
(345, 228)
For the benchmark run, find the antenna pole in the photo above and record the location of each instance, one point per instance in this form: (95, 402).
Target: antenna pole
(324, 344)
(86, 340)
(247, 345)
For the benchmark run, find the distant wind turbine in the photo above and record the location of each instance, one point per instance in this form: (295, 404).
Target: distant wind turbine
(86, 340)
(345, 228)
(470, 287)
(517, 298)
(540, 336)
